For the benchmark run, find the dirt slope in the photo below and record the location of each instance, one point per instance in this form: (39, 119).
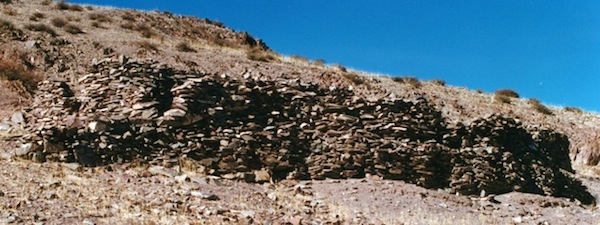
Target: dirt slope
(60, 41)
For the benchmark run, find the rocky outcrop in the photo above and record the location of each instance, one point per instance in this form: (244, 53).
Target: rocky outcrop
(255, 127)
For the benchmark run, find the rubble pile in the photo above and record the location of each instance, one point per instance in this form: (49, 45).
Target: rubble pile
(127, 110)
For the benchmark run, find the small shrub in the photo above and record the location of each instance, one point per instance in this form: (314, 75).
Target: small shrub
(58, 22)
(46, 2)
(412, 81)
(14, 71)
(438, 82)
(37, 16)
(354, 78)
(89, 8)
(147, 46)
(72, 29)
(66, 6)
(128, 26)
(502, 99)
(99, 17)
(6, 1)
(40, 28)
(96, 25)
(145, 31)
(128, 17)
(257, 54)
(538, 106)
(184, 47)
(10, 11)
(299, 58)
(508, 93)
(573, 109)
(319, 62)
(340, 67)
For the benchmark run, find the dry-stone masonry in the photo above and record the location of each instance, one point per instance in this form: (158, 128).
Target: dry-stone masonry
(249, 127)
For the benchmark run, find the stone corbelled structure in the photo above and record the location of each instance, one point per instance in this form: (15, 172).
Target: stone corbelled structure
(128, 110)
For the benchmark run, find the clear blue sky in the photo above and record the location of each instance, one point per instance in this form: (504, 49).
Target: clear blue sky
(549, 50)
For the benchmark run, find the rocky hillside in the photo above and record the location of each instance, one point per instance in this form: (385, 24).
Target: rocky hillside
(101, 86)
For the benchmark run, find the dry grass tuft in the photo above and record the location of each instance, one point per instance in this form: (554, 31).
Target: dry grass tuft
(41, 28)
(354, 78)
(299, 58)
(12, 70)
(10, 11)
(101, 18)
(538, 106)
(37, 16)
(127, 16)
(72, 29)
(257, 54)
(58, 22)
(573, 109)
(319, 62)
(66, 6)
(508, 93)
(438, 82)
(412, 81)
(184, 47)
(146, 45)
(128, 26)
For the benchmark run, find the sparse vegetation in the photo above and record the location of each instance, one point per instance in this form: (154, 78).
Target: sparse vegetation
(128, 26)
(66, 6)
(573, 109)
(6, 1)
(72, 29)
(146, 45)
(340, 67)
(46, 2)
(128, 17)
(184, 47)
(145, 31)
(299, 58)
(508, 93)
(259, 55)
(502, 99)
(37, 16)
(412, 81)
(101, 18)
(58, 22)
(12, 70)
(538, 106)
(319, 62)
(438, 82)
(10, 11)
(354, 78)
(41, 28)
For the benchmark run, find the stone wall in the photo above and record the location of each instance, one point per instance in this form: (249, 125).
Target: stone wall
(127, 110)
